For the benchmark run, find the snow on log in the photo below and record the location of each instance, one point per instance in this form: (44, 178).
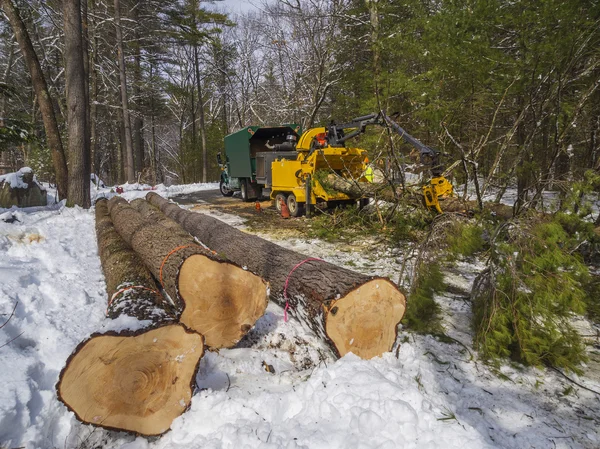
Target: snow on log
(136, 380)
(21, 189)
(215, 297)
(350, 311)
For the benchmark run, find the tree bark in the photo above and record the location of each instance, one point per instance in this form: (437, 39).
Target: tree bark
(138, 123)
(136, 381)
(215, 297)
(350, 311)
(77, 111)
(129, 165)
(124, 271)
(447, 204)
(94, 159)
(43, 96)
(201, 116)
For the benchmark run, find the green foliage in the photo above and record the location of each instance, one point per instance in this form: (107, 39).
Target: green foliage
(344, 223)
(422, 311)
(321, 177)
(592, 301)
(524, 302)
(409, 225)
(453, 239)
(40, 160)
(14, 132)
(465, 240)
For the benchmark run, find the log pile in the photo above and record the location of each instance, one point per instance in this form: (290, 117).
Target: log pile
(214, 296)
(133, 380)
(350, 311)
(181, 293)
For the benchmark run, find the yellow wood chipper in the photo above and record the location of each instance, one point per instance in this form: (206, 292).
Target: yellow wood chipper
(289, 166)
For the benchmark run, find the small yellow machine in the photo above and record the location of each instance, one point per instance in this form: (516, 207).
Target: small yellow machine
(290, 166)
(294, 180)
(295, 183)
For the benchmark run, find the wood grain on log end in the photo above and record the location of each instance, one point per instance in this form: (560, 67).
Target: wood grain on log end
(222, 300)
(365, 321)
(132, 381)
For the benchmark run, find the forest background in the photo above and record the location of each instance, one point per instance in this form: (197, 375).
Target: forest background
(508, 90)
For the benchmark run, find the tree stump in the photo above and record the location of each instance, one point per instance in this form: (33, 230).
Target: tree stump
(131, 380)
(21, 189)
(215, 297)
(350, 311)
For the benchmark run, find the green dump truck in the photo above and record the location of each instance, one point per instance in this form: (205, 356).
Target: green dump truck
(246, 165)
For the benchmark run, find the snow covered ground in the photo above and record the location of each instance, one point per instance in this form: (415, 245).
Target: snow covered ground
(280, 387)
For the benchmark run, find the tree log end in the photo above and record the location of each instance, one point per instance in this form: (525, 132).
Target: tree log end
(365, 321)
(132, 381)
(222, 300)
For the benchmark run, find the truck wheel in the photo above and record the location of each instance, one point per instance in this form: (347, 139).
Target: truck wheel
(280, 197)
(224, 190)
(244, 189)
(296, 208)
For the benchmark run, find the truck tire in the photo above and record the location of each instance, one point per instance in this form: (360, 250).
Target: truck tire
(244, 190)
(296, 208)
(278, 198)
(224, 190)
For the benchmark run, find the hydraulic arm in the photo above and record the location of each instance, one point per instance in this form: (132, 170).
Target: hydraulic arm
(438, 186)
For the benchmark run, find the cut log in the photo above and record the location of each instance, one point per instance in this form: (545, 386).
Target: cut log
(132, 289)
(458, 205)
(132, 381)
(350, 311)
(136, 381)
(215, 297)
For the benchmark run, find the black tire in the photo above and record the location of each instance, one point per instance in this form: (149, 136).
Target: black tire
(278, 198)
(244, 190)
(296, 208)
(224, 190)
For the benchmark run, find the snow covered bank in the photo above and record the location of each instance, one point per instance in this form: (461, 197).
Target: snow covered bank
(280, 387)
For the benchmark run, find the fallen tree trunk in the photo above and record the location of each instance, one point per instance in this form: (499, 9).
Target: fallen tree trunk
(359, 189)
(215, 297)
(132, 380)
(384, 192)
(459, 205)
(350, 311)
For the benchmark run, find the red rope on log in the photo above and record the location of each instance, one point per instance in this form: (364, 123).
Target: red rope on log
(160, 272)
(287, 279)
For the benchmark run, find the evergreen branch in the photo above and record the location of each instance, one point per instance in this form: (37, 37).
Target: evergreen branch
(574, 382)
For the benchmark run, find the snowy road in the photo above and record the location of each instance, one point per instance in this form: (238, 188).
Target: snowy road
(428, 394)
